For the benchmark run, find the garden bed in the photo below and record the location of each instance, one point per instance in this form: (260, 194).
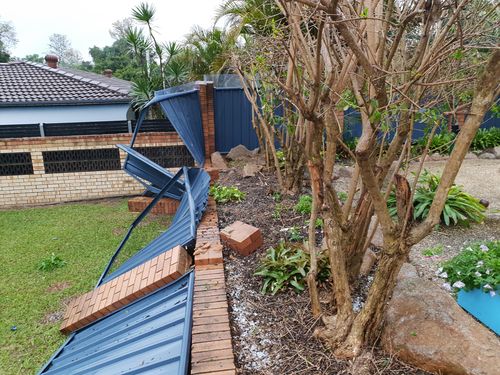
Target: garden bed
(274, 334)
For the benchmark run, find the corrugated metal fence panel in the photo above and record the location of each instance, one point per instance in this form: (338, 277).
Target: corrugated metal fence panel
(180, 231)
(233, 120)
(183, 111)
(490, 121)
(151, 335)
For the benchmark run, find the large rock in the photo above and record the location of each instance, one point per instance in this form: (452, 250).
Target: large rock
(218, 161)
(426, 327)
(251, 169)
(487, 155)
(239, 152)
(496, 151)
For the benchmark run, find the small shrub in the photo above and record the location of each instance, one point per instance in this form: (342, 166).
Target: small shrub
(460, 207)
(486, 138)
(432, 251)
(304, 205)
(441, 143)
(281, 158)
(51, 263)
(277, 211)
(295, 235)
(478, 266)
(284, 266)
(224, 194)
(342, 196)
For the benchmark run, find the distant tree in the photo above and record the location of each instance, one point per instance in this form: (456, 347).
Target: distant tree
(35, 57)
(7, 39)
(116, 57)
(60, 45)
(119, 28)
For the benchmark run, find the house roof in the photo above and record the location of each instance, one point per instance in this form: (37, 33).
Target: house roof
(31, 84)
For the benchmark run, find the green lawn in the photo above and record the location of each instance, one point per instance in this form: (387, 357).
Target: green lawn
(84, 235)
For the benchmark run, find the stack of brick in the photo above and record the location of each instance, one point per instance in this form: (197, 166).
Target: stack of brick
(211, 351)
(166, 206)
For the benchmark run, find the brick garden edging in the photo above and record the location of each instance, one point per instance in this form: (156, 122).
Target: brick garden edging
(211, 347)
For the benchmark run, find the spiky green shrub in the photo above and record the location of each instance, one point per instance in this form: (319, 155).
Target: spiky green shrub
(460, 207)
(486, 138)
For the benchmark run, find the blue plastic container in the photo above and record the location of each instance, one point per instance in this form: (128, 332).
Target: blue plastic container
(482, 306)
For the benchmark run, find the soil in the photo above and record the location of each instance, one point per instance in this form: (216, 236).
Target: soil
(274, 334)
(59, 286)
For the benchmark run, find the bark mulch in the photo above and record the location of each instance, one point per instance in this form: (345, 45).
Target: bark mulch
(274, 334)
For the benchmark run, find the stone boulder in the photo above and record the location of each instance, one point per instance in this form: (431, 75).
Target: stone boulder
(251, 169)
(425, 327)
(218, 161)
(487, 155)
(239, 153)
(496, 151)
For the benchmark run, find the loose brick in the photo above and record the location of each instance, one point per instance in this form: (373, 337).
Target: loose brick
(242, 237)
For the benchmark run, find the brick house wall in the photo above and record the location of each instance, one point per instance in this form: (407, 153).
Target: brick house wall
(47, 188)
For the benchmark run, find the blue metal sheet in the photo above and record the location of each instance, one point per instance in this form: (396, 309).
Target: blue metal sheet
(151, 335)
(183, 111)
(233, 120)
(182, 230)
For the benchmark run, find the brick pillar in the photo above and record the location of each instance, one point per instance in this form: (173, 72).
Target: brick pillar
(206, 93)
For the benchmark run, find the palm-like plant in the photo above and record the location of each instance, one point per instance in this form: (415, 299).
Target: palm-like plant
(208, 51)
(247, 17)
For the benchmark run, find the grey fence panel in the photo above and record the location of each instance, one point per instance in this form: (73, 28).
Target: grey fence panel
(233, 120)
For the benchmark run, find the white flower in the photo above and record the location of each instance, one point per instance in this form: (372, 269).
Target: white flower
(443, 275)
(487, 286)
(484, 247)
(459, 273)
(477, 274)
(488, 271)
(479, 264)
(492, 293)
(446, 286)
(458, 284)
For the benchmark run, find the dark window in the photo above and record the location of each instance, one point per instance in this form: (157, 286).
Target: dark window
(100, 159)
(15, 163)
(168, 156)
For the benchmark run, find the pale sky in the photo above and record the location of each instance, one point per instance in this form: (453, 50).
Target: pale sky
(87, 22)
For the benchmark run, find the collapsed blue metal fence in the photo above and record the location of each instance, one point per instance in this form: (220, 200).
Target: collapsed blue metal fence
(152, 334)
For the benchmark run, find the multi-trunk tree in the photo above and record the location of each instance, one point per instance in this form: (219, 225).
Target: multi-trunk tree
(396, 62)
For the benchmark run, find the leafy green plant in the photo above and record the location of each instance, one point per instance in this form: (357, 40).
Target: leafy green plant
(477, 266)
(460, 207)
(286, 266)
(51, 263)
(277, 211)
(295, 235)
(432, 251)
(486, 138)
(342, 196)
(281, 158)
(224, 194)
(304, 205)
(441, 143)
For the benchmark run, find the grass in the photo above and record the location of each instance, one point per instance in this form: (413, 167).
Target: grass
(84, 236)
